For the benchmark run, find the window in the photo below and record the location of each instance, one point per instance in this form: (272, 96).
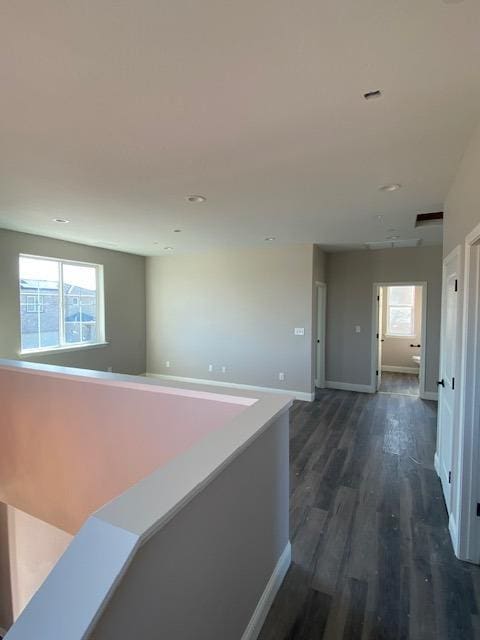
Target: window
(401, 311)
(34, 304)
(61, 303)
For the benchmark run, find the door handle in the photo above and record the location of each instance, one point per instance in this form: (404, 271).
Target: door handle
(441, 383)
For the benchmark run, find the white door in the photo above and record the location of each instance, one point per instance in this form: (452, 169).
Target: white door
(446, 386)
(320, 350)
(379, 335)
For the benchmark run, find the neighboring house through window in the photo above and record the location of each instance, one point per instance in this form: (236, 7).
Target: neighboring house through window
(401, 311)
(34, 304)
(61, 303)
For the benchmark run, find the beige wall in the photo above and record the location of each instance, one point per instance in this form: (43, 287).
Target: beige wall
(462, 207)
(236, 309)
(351, 275)
(100, 438)
(124, 280)
(29, 550)
(203, 573)
(396, 350)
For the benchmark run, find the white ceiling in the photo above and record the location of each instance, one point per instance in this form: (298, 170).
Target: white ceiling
(112, 111)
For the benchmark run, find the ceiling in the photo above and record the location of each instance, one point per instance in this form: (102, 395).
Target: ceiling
(113, 111)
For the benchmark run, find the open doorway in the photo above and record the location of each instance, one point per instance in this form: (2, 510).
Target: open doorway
(399, 340)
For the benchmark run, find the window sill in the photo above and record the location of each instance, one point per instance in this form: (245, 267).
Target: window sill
(74, 347)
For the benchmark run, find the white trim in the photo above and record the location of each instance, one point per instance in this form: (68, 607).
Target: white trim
(299, 395)
(436, 463)
(268, 596)
(452, 527)
(348, 386)
(395, 369)
(423, 336)
(429, 395)
(466, 462)
(319, 364)
(74, 347)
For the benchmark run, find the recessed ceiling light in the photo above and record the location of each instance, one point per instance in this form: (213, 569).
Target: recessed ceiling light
(270, 239)
(373, 95)
(61, 220)
(194, 198)
(168, 248)
(390, 187)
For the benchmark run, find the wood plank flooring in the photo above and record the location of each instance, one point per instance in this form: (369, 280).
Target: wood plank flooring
(372, 558)
(403, 383)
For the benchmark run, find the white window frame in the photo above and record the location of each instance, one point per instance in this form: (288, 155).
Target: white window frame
(388, 332)
(100, 306)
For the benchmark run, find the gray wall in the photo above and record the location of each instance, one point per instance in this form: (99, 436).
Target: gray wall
(202, 575)
(124, 280)
(236, 309)
(462, 207)
(319, 264)
(351, 275)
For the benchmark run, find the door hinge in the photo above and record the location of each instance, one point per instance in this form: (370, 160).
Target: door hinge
(456, 285)
(377, 336)
(478, 509)
(453, 384)
(449, 477)
(378, 298)
(376, 372)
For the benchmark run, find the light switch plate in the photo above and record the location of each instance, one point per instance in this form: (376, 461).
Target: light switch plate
(357, 328)
(299, 331)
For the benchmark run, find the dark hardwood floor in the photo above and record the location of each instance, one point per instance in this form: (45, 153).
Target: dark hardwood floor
(372, 557)
(403, 383)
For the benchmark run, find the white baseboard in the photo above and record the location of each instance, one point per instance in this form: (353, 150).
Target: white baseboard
(452, 528)
(299, 395)
(436, 463)
(429, 395)
(268, 596)
(395, 369)
(347, 386)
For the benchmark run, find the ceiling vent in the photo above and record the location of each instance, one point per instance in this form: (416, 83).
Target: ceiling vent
(393, 244)
(429, 219)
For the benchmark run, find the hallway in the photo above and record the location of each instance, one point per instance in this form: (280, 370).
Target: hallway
(372, 557)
